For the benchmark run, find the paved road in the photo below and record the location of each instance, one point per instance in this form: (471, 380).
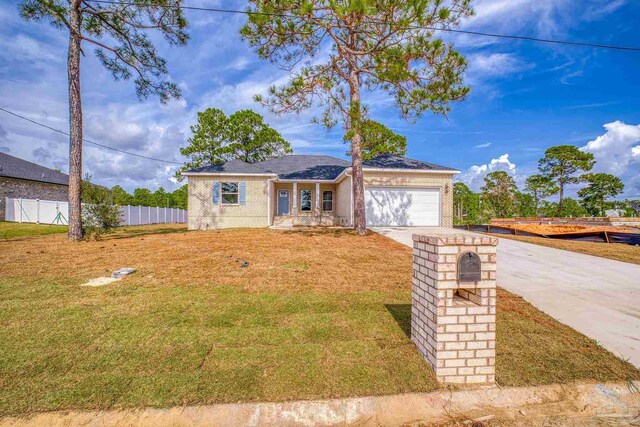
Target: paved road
(596, 296)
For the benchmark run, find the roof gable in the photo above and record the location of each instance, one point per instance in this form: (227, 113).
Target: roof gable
(296, 166)
(14, 167)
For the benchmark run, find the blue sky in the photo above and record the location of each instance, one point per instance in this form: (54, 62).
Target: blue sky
(525, 96)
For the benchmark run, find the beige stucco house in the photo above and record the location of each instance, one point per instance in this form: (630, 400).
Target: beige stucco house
(316, 190)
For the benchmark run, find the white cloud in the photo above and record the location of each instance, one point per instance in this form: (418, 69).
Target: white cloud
(482, 65)
(485, 145)
(618, 152)
(474, 177)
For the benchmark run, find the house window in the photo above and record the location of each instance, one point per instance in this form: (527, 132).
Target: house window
(230, 193)
(305, 200)
(327, 201)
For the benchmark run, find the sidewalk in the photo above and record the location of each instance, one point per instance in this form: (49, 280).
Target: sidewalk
(572, 404)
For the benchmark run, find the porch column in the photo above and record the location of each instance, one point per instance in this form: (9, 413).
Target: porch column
(295, 198)
(317, 196)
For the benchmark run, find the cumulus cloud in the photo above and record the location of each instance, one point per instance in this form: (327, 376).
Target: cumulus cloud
(474, 176)
(617, 151)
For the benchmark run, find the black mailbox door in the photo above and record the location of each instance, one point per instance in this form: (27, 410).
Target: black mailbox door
(469, 267)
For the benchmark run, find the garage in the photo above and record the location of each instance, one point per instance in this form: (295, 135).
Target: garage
(386, 206)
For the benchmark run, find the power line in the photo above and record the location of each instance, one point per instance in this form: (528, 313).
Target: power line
(417, 27)
(86, 140)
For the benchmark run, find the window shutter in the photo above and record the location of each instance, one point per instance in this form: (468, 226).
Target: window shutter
(216, 193)
(243, 193)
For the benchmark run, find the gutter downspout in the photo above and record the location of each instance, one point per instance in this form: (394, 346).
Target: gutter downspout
(350, 196)
(269, 207)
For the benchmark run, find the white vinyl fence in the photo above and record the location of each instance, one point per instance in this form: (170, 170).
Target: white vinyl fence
(51, 212)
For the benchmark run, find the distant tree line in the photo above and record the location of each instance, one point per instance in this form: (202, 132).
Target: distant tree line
(144, 197)
(561, 165)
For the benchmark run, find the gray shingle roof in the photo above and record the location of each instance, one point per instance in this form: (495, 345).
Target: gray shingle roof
(232, 166)
(389, 161)
(13, 167)
(297, 166)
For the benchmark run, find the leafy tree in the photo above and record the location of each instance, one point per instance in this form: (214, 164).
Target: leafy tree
(179, 197)
(539, 186)
(600, 186)
(142, 197)
(499, 194)
(252, 140)
(161, 198)
(377, 139)
(244, 135)
(561, 163)
(466, 204)
(120, 196)
(389, 45)
(118, 32)
(100, 215)
(631, 207)
(525, 205)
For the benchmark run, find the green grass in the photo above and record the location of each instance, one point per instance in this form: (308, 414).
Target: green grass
(311, 316)
(10, 230)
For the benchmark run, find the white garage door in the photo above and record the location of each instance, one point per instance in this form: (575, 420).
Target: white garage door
(402, 206)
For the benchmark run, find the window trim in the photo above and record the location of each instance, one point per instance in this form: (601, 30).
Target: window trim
(222, 193)
(323, 201)
(310, 200)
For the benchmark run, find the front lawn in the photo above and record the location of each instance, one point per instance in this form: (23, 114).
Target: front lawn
(10, 230)
(238, 315)
(615, 251)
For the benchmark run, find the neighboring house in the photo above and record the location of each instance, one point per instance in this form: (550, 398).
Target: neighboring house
(316, 190)
(22, 179)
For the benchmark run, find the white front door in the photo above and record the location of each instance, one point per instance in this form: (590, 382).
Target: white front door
(388, 206)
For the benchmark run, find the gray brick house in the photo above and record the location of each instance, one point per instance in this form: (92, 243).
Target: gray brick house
(22, 179)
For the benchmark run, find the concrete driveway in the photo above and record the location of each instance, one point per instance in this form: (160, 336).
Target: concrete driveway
(596, 296)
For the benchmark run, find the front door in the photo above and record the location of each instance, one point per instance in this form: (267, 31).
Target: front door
(283, 202)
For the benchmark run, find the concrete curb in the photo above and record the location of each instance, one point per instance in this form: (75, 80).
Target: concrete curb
(576, 400)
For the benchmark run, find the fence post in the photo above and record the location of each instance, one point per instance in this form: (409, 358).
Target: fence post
(128, 214)
(165, 215)
(139, 214)
(149, 215)
(20, 201)
(37, 211)
(158, 214)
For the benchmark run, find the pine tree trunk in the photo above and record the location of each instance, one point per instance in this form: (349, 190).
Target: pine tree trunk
(75, 124)
(560, 203)
(359, 219)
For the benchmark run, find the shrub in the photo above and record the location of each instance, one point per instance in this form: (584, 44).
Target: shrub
(99, 215)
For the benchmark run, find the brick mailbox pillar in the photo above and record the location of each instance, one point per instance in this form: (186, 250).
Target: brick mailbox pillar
(453, 305)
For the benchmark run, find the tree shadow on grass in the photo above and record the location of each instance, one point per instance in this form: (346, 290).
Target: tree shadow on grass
(402, 315)
(320, 231)
(126, 233)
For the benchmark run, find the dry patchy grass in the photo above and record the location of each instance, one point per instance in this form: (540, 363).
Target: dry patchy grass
(615, 251)
(314, 314)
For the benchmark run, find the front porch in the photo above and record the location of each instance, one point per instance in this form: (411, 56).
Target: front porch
(304, 203)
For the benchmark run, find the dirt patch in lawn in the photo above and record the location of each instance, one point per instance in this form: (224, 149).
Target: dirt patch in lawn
(615, 251)
(551, 229)
(238, 315)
